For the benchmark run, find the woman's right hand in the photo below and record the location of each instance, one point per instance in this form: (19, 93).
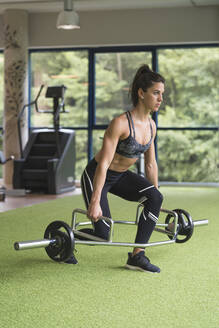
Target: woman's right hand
(94, 212)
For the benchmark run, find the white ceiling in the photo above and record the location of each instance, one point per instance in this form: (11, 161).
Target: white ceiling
(88, 5)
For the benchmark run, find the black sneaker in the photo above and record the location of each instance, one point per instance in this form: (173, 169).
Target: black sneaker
(86, 230)
(141, 262)
(72, 260)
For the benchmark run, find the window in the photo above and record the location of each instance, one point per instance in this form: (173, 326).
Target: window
(114, 74)
(56, 68)
(191, 96)
(191, 101)
(188, 156)
(188, 137)
(81, 137)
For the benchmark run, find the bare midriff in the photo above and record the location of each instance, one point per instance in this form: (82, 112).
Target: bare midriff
(119, 162)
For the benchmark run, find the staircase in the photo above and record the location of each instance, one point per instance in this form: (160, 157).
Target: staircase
(45, 167)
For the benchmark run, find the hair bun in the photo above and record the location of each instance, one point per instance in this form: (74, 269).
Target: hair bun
(143, 69)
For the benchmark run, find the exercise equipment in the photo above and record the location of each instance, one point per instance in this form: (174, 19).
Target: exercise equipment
(47, 162)
(4, 160)
(185, 225)
(60, 245)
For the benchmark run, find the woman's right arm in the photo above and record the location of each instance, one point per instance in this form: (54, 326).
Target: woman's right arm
(105, 158)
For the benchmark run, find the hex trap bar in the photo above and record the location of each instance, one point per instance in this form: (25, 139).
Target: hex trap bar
(160, 227)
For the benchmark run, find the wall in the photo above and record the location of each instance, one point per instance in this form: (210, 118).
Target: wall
(151, 26)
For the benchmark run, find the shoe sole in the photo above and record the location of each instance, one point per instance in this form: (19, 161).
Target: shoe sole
(135, 268)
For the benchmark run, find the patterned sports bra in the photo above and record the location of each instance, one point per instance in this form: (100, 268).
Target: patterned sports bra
(129, 147)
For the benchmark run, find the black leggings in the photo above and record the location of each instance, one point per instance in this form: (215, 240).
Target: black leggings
(127, 185)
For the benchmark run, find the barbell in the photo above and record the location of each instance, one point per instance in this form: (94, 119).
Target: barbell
(59, 244)
(60, 239)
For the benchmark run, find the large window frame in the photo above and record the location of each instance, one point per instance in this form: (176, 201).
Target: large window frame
(91, 123)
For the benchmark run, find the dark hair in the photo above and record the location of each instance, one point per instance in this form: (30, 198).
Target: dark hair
(144, 79)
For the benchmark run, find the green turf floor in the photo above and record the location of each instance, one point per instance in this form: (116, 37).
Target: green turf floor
(98, 292)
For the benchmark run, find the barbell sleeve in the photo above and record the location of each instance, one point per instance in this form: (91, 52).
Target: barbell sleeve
(200, 222)
(29, 244)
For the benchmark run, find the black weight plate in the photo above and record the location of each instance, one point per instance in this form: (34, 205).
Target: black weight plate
(64, 246)
(58, 249)
(185, 225)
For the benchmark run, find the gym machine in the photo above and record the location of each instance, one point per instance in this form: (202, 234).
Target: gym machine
(47, 162)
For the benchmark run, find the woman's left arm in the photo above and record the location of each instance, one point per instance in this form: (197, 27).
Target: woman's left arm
(151, 169)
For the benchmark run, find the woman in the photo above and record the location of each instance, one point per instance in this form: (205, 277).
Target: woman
(126, 138)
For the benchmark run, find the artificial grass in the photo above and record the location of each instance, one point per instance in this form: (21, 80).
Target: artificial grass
(99, 292)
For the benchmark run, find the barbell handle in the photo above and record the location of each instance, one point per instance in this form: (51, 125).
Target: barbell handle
(109, 220)
(29, 244)
(79, 210)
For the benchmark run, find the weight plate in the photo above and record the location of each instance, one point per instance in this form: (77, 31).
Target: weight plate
(62, 249)
(185, 225)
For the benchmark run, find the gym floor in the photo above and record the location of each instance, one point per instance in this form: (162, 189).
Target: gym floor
(99, 291)
(12, 202)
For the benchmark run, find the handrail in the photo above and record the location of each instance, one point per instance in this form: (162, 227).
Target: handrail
(34, 102)
(57, 109)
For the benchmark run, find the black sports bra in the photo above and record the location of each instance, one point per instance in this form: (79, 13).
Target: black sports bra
(129, 147)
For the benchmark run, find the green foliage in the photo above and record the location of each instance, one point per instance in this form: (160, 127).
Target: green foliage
(114, 74)
(191, 86)
(191, 99)
(188, 156)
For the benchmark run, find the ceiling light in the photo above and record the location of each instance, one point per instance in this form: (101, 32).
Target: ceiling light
(68, 19)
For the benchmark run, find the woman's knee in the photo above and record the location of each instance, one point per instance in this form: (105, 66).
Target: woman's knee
(155, 197)
(158, 197)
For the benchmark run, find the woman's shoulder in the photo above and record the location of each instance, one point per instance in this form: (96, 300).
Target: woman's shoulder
(121, 118)
(118, 123)
(153, 125)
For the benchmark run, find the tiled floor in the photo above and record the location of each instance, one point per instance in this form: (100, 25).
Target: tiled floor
(30, 199)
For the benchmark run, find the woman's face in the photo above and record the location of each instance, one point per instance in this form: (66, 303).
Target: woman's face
(153, 97)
